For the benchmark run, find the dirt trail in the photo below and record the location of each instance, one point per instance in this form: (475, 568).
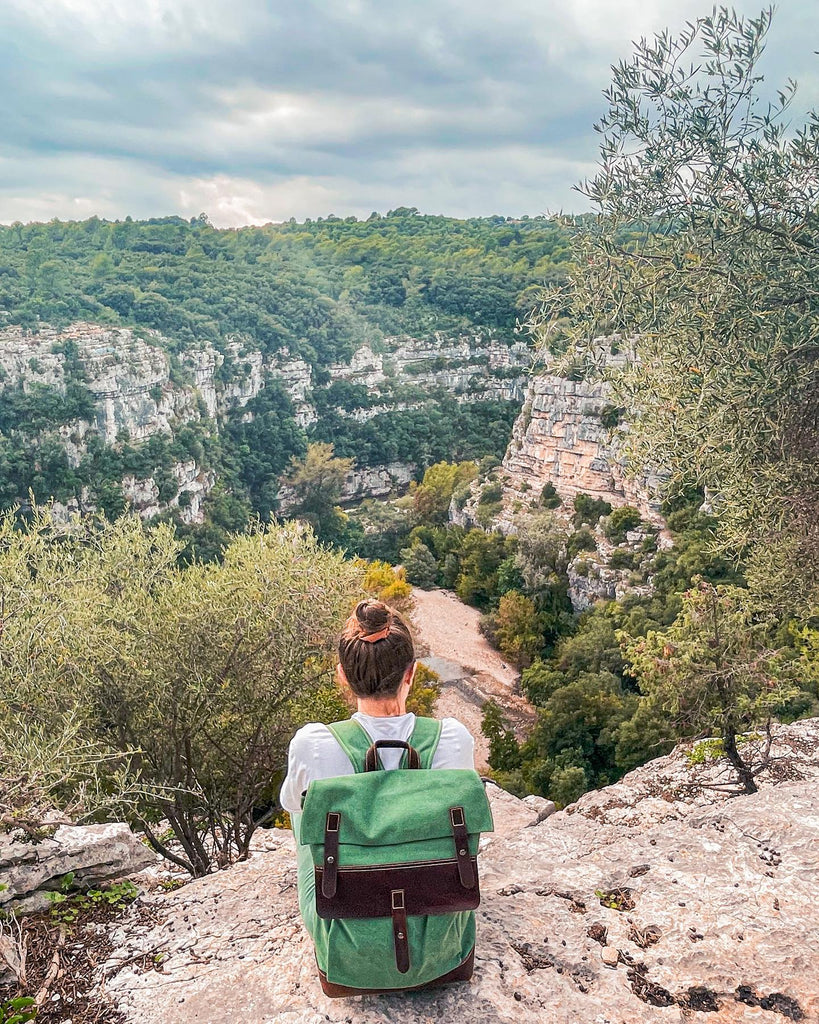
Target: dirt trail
(471, 670)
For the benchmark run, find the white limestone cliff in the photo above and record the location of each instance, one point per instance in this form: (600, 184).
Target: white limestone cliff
(140, 391)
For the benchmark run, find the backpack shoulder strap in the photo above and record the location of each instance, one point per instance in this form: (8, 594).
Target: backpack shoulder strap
(425, 737)
(353, 740)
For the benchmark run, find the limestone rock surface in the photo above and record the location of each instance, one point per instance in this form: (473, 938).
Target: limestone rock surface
(94, 853)
(561, 438)
(138, 393)
(653, 900)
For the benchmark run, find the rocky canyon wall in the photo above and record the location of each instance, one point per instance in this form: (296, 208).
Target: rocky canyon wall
(140, 390)
(561, 438)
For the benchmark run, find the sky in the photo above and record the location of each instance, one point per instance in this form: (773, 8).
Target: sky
(260, 110)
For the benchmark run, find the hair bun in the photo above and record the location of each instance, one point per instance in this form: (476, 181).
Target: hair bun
(371, 616)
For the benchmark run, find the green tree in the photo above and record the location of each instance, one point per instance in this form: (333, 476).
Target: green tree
(187, 680)
(504, 752)
(420, 565)
(516, 629)
(316, 481)
(705, 255)
(715, 669)
(619, 522)
(432, 497)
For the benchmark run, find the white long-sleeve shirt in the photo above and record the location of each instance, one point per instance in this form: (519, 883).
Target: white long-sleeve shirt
(316, 754)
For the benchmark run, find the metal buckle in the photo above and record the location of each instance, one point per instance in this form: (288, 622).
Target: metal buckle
(456, 816)
(398, 899)
(333, 821)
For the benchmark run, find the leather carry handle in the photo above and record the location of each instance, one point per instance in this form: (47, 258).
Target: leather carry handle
(371, 763)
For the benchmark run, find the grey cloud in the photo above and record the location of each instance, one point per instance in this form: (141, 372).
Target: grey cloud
(390, 98)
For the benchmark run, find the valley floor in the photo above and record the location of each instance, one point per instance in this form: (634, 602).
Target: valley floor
(471, 670)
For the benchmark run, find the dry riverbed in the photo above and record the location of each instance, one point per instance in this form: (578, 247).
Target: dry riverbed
(471, 670)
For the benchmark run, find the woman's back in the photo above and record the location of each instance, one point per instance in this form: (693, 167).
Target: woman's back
(316, 754)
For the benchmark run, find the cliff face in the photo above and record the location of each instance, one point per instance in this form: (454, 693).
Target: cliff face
(656, 899)
(560, 438)
(140, 390)
(563, 437)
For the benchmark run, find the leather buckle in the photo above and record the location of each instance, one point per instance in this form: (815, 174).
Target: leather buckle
(333, 821)
(400, 931)
(466, 869)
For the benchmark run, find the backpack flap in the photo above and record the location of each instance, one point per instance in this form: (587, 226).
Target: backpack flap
(382, 809)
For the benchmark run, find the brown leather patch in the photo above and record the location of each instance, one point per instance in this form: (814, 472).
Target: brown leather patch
(431, 888)
(463, 972)
(467, 872)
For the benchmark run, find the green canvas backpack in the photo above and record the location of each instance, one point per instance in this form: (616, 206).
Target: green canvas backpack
(388, 877)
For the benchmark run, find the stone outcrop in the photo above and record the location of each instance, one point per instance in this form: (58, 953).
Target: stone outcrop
(593, 576)
(656, 899)
(94, 853)
(473, 367)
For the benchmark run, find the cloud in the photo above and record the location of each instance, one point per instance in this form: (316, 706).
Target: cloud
(255, 110)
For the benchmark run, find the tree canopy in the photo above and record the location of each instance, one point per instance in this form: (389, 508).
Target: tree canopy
(703, 262)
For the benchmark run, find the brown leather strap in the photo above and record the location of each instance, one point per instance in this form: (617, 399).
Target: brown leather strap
(371, 761)
(466, 868)
(329, 880)
(399, 931)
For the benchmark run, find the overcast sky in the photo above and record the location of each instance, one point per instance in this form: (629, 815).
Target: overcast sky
(259, 110)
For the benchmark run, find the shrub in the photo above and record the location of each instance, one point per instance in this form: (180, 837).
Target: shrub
(549, 498)
(580, 540)
(619, 522)
(589, 510)
(622, 558)
(491, 494)
(192, 677)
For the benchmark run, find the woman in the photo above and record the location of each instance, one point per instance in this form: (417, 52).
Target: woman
(364, 939)
(377, 662)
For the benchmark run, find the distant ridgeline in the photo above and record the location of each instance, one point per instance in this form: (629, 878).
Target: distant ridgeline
(166, 362)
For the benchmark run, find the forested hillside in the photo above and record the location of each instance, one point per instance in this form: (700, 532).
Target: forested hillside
(319, 288)
(179, 367)
(391, 339)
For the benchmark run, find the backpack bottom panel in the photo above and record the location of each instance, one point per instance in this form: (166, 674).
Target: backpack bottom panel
(463, 972)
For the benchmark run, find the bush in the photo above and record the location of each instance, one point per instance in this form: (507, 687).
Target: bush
(622, 558)
(192, 677)
(580, 540)
(619, 522)
(491, 494)
(549, 498)
(589, 510)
